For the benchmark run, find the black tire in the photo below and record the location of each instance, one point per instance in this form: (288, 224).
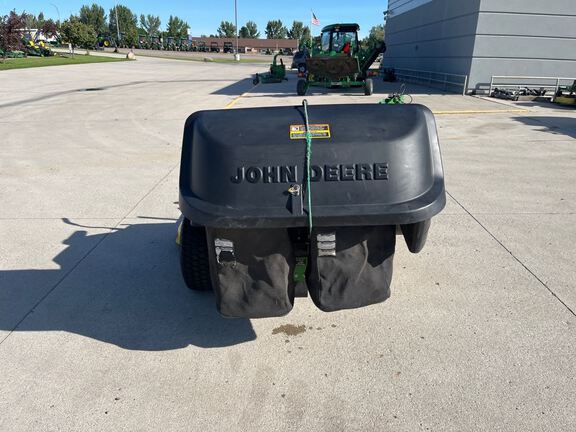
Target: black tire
(301, 87)
(368, 86)
(256, 80)
(194, 257)
(302, 68)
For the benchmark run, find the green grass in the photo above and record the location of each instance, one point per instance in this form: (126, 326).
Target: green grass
(31, 62)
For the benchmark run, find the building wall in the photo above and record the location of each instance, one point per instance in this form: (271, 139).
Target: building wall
(481, 38)
(397, 7)
(435, 36)
(526, 38)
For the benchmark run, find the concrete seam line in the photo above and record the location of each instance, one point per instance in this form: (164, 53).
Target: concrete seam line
(152, 189)
(514, 256)
(55, 218)
(526, 214)
(237, 98)
(75, 266)
(480, 112)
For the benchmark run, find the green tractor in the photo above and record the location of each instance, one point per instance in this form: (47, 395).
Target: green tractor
(277, 73)
(340, 61)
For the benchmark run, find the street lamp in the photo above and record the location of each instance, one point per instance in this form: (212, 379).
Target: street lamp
(57, 10)
(117, 27)
(237, 55)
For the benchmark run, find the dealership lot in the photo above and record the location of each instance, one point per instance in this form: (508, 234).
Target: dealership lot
(98, 331)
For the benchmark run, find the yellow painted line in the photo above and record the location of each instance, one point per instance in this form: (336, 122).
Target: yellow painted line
(480, 112)
(237, 98)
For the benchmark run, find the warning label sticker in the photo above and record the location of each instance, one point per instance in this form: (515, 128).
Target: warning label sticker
(316, 130)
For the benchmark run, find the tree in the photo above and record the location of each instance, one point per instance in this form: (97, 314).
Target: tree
(34, 22)
(127, 22)
(249, 31)
(78, 34)
(95, 17)
(376, 35)
(226, 30)
(275, 30)
(306, 36)
(177, 28)
(39, 21)
(49, 28)
(130, 37)
(29, 20)
(151, 24)
(11, 32)
(297, 30)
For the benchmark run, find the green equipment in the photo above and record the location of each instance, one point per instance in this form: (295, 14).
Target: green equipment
(33, 48)
(340, 61)
(276, 75)
(214, 47)
(228, 48)
(399, 98)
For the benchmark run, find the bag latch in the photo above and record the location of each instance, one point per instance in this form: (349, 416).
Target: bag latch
(224, 252)
(326, 244)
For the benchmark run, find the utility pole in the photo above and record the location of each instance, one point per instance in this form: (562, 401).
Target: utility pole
(237, 55)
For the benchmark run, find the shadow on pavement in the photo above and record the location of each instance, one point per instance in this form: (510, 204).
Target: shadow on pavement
(237, 88)
(548, 104)
(288, 88)
(554, 125)
(122, 85)
(127, 291)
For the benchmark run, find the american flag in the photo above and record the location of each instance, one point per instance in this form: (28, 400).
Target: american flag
(315, 21)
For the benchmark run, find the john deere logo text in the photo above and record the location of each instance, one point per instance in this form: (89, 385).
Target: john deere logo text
(329, 173)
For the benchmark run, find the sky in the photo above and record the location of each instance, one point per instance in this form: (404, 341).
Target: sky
(204, 16)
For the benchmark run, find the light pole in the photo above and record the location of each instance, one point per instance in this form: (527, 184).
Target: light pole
(117, 26)
(237, 55)
(57, 10)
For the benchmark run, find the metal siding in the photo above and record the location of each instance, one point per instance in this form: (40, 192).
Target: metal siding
(528, 25)
(437, 36)
(538, 7)
(482, 38)
(527, 37)
(513, 47)
(397, 7)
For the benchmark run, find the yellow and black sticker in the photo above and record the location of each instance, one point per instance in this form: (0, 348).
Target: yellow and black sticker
(316, 130)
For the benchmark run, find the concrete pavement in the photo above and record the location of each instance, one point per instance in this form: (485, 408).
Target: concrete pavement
(98, 332)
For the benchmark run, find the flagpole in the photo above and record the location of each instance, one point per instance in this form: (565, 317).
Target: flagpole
(311, 27)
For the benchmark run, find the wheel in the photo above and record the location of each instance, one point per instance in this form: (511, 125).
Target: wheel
(301, 87)
(194, 257)
(368, 86)
(302, 68)
(256, 80)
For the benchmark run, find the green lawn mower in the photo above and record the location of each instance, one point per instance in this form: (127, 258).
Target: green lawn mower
(340, 61)
(277, 73)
